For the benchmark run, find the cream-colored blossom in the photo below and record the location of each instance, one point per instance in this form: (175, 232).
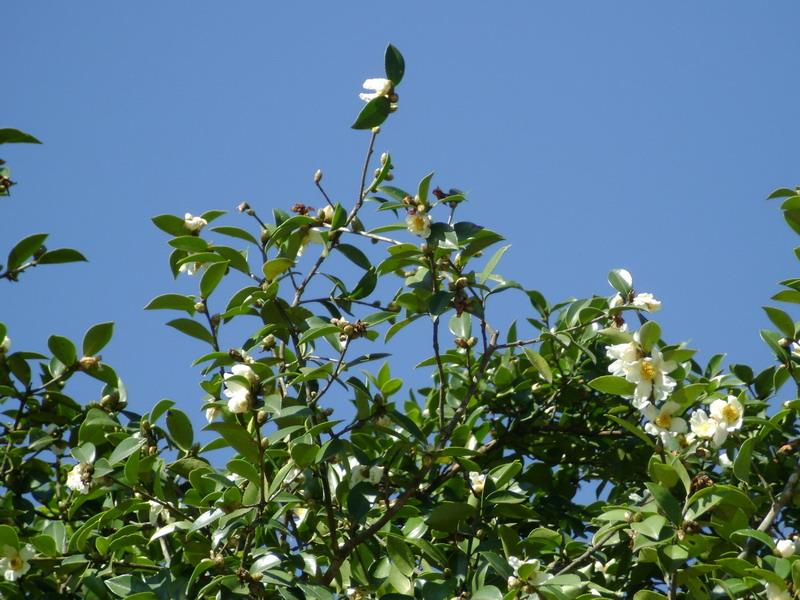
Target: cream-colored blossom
(311, 236)
(15, 563)
(707, 428)
(326, 213)
(419, 223)
(238, 393)
(777, 592)
(361, 473)
(212, 412)
(662, 420)
(191, 268)
(477, 481)
(647, 302)
(728, 412)
(623, 356)
(193, 224)
(80, 478)
(378, 87)
(651, 379)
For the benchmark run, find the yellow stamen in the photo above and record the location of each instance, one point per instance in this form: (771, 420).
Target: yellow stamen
(15, 562)
(664, 420)
(647, 370)
(730, 413)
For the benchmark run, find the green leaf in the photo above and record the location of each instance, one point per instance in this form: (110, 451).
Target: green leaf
(488, 592)
(172, 302)
(276, 266)
(15, 136)
(238, 438)
(180, 429)
(190, 243)
(193, 329)
(355, 255)
(236, 232)
(611, 384)
(461, 326)
(781, 320)
(619, 282)
(395, 64)
(649, 334)
(744, 534)
(24, 249)
(170, 224)
(8, 537)
(422, 190)
(60, 256)
(648, 595)
(743, 460)
(447, 515)
(132, 469)
(97, 337)
(373, 114)
(667, 502)
(125, 448)
(365, 286)
(63, 349)
(540, 364)
(792, 296)
(492, 263)
(211, 278)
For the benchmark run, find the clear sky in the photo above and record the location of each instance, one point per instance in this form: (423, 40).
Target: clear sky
(593, 135)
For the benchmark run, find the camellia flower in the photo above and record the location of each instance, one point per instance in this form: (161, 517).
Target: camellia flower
(623, 355)
(528, 570)
(785, 548)
(724, 460)
(14, 563)
(651, 379)
(311, 236)
(238, 393)
(190, 268)
(728, 412)
(193, 224)
(379, 87)
(419, 223)
(777, 592)
(5, 346)
(707, 427)
(80, 478)
(212, 412)
(646, 302)
(477, 481)
(663, 421)
(326, 213)
(361, 473)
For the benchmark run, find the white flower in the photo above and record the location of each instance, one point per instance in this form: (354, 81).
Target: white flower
(663, 421)
(14, 563)
(419, 223)
(616, 301)
(707, 427)
(785, 548)
(646, 302)
(190, 268)
(212, 412)
(311, 236)
(477, 481)
(156, 510)
(777, 592)
(728, 412)
(724, 461)
(651, 379)
(361, 473)
(379, 87)
(623, 355)
(6, 345)
(238, 393)
(193, 224)
(80, 478)
(528, 570)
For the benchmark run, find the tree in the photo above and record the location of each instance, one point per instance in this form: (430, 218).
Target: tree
(570, 457)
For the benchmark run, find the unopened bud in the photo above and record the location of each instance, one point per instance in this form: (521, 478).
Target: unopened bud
(384, 158)
(262, 416)
(243, 207)
(88, 362)
(376, 129)
(265, 235)
(200, 307)
(317, 176)
(268, 343)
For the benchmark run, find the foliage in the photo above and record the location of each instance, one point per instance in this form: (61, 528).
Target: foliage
(566, 458)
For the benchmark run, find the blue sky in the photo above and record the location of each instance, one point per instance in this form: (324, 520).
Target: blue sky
(592, 135)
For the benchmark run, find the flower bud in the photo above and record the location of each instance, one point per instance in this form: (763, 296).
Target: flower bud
(384, 158)
(317, 176)
(88, 362)
(376, 129)
(243, 207)
(200, 307)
